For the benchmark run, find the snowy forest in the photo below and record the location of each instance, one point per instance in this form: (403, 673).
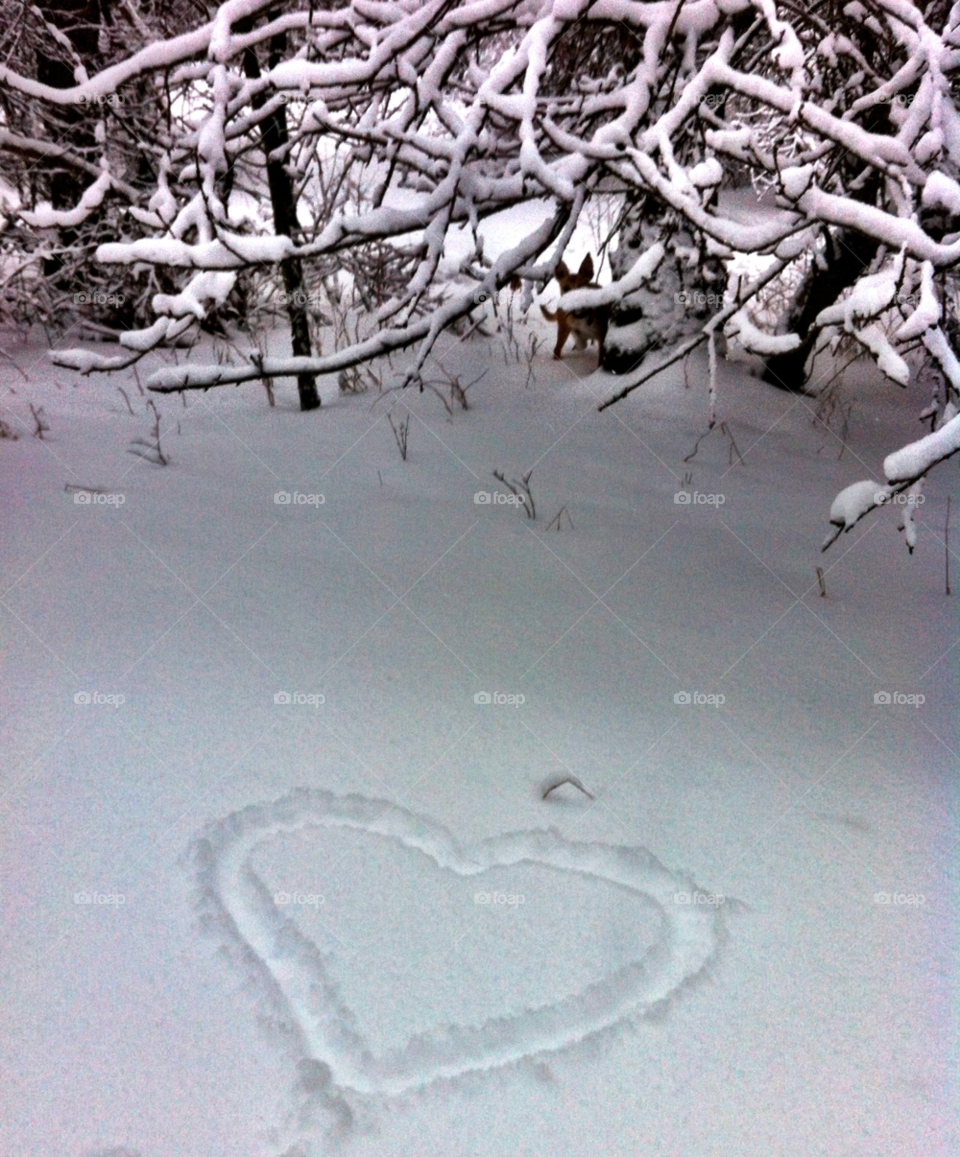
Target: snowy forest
(479, 438)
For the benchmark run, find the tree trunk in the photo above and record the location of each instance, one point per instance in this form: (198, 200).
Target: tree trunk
(274, 135)
(79, 21)
(847, 256)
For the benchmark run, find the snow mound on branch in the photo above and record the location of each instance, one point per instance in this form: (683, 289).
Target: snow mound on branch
(868, 298)
(940, 192)
(927, 313)
(796, 180)
(707, 174)
(855, 501)
(46, 217)
(640, 273)
(917, 458)
(756, 341)
(191, 300)
(889, 362)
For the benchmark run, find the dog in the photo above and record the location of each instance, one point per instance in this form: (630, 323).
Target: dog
(585, 324)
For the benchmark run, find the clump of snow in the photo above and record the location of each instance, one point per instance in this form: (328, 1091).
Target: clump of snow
(927, 313)
(917, 458)
(192, 299)
(796, 180)
(757, 341)
(638, 275)
(941, 192)
(707, 174)
(858, 499)
(46, 217)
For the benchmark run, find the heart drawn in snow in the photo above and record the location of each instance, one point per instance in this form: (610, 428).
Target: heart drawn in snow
(297, 983)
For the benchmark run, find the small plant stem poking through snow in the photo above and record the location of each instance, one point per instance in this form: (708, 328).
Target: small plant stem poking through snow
(558, 520)
(552, 785)
(150, 449)
(823, 588)
(40, 426)
(520, 488)
(400, 433)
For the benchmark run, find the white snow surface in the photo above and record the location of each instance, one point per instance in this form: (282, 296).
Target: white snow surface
(349, 923)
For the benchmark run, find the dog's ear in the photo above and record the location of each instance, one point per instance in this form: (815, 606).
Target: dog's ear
(586, 268)
(562, 270)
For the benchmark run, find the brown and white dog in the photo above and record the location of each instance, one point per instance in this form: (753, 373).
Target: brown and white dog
(585, 324)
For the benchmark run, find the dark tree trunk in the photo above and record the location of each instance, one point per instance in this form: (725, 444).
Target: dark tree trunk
(847, 256)
(273, 136)
(79, 21)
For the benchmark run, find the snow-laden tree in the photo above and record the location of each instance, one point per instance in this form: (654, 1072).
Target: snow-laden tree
(52, 154)
(394, 123)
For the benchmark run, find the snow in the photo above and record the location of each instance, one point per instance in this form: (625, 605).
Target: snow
(707, 174)
(796, 180)
(46, 217)
(913, 460)
(193, 298)
(756, 341)
(856, 500)
(638, 275)
(279, 874)
(927, 313)
(941, 192)
(321, 945)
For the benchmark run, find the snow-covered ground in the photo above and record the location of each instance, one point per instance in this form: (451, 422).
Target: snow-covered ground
(349, 922)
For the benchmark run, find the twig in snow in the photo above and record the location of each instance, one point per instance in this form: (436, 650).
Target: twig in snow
(147, 449)
(40, 425)
(558, 520)
(823, 588)
(401, 433)
(127, 400)
(4, 354)
(521, 489)
(572, 780)
(530, 353)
